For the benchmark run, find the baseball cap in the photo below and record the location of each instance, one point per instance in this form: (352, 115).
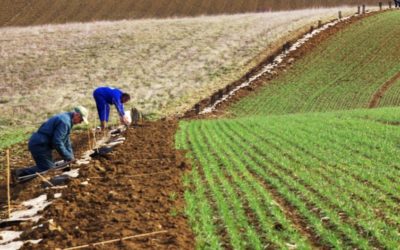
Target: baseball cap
(83, 112)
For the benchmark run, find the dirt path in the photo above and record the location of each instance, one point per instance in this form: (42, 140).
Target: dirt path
(377, 96)
(136, 189)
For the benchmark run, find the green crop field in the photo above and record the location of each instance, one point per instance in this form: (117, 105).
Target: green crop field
(302, 165)
(342, 73)
(335, 172)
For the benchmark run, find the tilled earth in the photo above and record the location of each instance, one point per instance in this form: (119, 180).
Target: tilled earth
(135, 189)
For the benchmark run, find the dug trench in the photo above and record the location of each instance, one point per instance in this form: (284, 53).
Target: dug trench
(135, 189)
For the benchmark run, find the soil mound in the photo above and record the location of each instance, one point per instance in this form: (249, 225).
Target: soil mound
(135, 189)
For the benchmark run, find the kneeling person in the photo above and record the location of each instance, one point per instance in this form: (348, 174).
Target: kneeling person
(53, 134)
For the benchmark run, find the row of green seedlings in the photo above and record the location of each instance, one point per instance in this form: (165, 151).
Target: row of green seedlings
(366, 150)
(295, 96)
(350, 136)
(305, 180)
(284, 236)
(377, 195)
(391, 97)
(229, 186)
(354, 146)
(340, 179)
(360, 175)
(348, 230)
(332, 86)
(382, 61)
(364, 159)
(276, 170)
(385, 115)
(241, 233)
(253, 157)
(198, 208)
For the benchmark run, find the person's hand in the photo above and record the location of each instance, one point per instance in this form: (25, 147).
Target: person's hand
(125, 120)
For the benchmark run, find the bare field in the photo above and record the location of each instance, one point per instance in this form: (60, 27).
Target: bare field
(38, 12)
(166, 65)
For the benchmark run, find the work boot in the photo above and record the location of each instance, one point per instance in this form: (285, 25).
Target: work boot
(15, 174)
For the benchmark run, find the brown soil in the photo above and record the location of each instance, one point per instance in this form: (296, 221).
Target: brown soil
(38, 12)
(136, 189)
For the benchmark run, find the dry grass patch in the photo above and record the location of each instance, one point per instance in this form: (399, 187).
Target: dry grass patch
(166, 65)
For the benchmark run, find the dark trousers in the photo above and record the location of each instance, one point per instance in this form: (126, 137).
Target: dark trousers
(42, 154)
(396, 3)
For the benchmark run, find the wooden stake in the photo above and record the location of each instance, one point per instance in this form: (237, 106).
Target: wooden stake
(116, 240)
(89, 138)
(44, 179)
(94, 142)
(94, 139)
(8, 183)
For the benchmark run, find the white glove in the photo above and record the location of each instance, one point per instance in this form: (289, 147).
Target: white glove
(125, 120)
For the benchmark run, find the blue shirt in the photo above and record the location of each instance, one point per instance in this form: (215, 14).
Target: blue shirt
(111, 96)
(56, 131)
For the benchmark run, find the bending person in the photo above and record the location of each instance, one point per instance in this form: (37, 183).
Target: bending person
(53, 134)
(106, 96)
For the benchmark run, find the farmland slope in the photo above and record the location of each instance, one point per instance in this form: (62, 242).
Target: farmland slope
(38, 12)
(166, 65)
(306, 181)
(257, 183)
(344, 72)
